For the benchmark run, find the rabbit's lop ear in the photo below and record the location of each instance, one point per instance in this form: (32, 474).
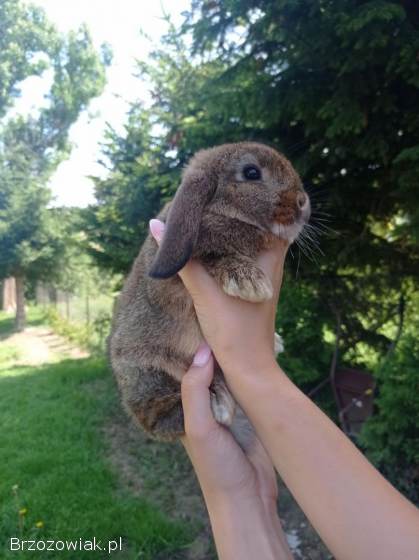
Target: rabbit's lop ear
(182, 224)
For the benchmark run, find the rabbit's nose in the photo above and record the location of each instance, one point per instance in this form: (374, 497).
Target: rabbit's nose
(292, 205)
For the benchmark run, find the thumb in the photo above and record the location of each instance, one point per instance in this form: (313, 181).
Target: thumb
(196, 395)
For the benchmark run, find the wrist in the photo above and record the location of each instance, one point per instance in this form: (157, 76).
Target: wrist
(246, 527)
(248, 363)
(267, 396)
(260, 371)
(232, 500)
(239, 506)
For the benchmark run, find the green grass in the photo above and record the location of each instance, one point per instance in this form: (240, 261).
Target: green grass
(8, 355)
(6, 324)
(54, 464)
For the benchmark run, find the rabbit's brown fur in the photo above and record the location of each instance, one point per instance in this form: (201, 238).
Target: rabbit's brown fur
(225, 220)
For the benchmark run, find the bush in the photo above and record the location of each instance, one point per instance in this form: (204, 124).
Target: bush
(391, 436)
(89, 336)
(299, 321)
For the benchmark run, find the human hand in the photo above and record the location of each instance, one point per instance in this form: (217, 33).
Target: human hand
(240, 333)
(239, 488)
(223, 468)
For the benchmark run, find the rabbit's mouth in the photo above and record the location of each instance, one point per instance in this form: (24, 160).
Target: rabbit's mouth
(289, 232)
(291, 215)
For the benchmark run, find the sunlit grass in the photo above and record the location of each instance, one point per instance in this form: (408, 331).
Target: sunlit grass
(54, 466)
(8, 355)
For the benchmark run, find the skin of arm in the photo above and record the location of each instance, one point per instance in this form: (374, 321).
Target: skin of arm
(239, 489)
(357, 513)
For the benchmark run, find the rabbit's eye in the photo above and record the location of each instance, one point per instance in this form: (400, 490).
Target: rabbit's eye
(252, 173)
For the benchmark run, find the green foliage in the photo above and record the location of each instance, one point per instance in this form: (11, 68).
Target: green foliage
(391, 436)
(25, 36)
(30, 150)
(134, 191)
(32, 238)
(80, 276)
(300, 315)
(90, 336)
(32, 146)
(85, 294)
(81, 335)
(334, 85)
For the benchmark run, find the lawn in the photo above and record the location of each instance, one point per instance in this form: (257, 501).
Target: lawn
(57, 480)
(73, 463)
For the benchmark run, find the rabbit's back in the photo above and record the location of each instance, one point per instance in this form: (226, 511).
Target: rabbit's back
(155, 323)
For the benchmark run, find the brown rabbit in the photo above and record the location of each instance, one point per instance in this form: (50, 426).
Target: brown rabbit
(232, 201)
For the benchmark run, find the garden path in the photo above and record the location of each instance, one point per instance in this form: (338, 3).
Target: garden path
(38, 345)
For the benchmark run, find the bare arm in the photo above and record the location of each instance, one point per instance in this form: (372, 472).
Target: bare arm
(240, 490)
(357, 513)
(246, 530)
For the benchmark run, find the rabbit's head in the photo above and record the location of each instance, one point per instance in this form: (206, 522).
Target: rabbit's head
(247, 181)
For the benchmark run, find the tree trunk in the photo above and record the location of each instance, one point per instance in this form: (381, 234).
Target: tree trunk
(9, 294)
(87, 309)
(20, 320)
(53, 295)
(67, 305)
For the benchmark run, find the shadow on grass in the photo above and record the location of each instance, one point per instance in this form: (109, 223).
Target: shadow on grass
(7, 323)
(55, 471)
(35, 318)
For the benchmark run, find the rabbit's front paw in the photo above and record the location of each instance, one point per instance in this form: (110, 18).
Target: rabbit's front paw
(222, 405)
(250, 285)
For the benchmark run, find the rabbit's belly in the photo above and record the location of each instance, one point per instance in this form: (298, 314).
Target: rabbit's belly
(176, 355)
(187, 339)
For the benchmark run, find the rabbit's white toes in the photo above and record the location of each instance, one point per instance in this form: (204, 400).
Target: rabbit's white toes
(278, 344)
(223, 406)
(250, 289)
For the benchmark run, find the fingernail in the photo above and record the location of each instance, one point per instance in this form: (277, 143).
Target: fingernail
(202, 355)
(156, 229)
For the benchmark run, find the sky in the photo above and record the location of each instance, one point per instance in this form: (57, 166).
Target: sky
(117, 22)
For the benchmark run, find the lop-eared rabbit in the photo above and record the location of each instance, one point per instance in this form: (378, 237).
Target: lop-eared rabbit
(233, 199)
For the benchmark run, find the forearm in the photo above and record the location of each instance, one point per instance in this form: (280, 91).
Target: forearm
(355, 510)
(247, 529)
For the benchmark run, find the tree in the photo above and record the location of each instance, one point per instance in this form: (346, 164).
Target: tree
(25, 35)
(32, 240)
(141, 177)
(390, 437)
(334, 85)
(145, 161)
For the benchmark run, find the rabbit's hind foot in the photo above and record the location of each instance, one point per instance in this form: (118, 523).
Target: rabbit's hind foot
(223, 405)
(157, 407)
